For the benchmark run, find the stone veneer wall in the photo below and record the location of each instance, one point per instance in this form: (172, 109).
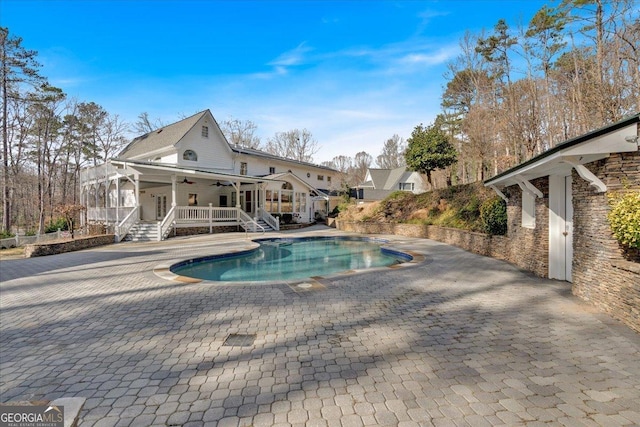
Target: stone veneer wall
(42, 249)
(479, 243)
(190, 231)
(602, 274)
(529, 247)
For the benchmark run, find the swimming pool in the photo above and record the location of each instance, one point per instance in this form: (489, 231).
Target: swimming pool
(294, 258)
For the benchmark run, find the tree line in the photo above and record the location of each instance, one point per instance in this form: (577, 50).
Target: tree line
(515, 92)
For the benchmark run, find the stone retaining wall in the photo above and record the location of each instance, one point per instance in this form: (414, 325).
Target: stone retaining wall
(479, 243)
(42, 249)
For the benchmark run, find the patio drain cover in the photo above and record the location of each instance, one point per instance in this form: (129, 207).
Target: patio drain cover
(239, 340)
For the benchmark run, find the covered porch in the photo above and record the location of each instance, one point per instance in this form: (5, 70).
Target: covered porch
(119, 194)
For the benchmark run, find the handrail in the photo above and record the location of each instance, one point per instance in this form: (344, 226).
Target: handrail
(245, 219)
(272, 221)
(125, 225)
(167, 222)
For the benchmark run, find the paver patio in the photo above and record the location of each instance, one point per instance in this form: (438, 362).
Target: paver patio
(457, 340)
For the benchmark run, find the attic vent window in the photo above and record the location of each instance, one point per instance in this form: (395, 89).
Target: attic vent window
(205, 131)
(190, 155)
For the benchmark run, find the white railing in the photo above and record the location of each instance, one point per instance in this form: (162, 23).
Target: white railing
(248, 223)
(123, 228)
(272, 221)
(169, 221)
(191, 214)
(109, 215)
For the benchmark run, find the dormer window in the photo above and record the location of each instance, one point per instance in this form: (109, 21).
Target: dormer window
(190, 155)
(205, 131)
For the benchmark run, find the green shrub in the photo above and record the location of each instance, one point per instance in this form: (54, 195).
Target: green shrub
(471, 210)
(58, 223)
(624, 218)
(6, 234)
(493, 214)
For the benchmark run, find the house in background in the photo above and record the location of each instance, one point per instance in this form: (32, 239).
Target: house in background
(186, 175)
(379, 183)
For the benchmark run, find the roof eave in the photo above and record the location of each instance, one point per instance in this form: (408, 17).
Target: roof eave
(584, 149)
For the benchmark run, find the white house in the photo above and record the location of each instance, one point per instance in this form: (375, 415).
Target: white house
(187, 175)
(379, 183)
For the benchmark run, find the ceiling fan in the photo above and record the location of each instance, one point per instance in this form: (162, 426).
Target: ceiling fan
(186, 181)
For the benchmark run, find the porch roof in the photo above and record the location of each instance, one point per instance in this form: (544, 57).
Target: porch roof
(619, 137)
(143, 167)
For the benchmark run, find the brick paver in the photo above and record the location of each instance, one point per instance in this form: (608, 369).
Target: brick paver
(457, 340)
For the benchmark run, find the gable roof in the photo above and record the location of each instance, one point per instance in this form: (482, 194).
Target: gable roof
(164, 137)
(384, 179)
(170, 135)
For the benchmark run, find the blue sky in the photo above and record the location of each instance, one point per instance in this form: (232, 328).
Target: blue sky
(352, 72)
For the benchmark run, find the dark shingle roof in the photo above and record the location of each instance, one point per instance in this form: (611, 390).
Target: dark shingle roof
(158, 139)
(264, 154)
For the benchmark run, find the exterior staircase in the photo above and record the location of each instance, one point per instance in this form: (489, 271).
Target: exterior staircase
(261, 223)
(147, 231)
(143, 232)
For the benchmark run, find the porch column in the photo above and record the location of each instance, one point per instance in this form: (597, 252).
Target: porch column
(237, 185)
(136, 184)
(255, 203)
(118, 200)
(173, 191)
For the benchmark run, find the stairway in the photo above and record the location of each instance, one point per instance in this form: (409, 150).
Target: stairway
(143, 232)
(267, 227)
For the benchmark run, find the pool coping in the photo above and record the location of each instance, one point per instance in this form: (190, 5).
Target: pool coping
(163, 270)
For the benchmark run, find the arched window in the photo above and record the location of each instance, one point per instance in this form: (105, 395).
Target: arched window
(190, 155)
(287, 186)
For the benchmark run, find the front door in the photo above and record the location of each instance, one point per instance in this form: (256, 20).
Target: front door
(161, 206)
(560, 227)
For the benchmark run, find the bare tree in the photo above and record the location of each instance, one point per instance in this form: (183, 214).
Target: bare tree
(145, 125)
(361, 163)
(241, 133)
(392, 155)
(294, 144)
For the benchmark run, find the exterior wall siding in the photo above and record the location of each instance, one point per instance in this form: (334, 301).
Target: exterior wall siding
(213, 151)
(260, 167)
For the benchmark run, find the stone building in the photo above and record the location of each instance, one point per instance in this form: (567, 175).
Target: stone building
(557, 205)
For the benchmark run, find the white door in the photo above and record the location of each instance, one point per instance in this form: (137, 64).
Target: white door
(560, 227)
(161, 206)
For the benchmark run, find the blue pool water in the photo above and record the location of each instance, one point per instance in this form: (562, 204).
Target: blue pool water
(285, 259)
